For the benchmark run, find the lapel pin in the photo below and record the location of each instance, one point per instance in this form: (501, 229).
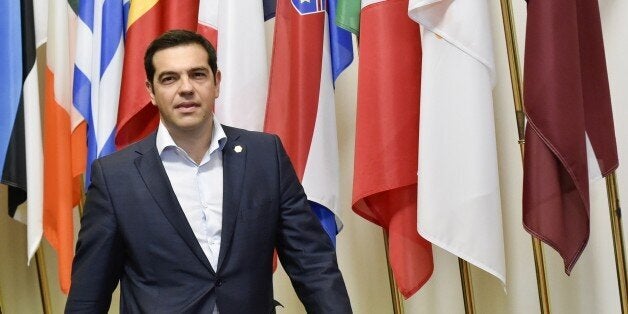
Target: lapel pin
(238, 149)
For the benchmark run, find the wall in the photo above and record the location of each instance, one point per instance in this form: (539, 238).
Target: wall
(592, 287)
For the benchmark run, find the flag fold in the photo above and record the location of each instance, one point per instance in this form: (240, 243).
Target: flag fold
(148, 19)
(458, 193)
(387, 132)
(567, 100)
(301, 103)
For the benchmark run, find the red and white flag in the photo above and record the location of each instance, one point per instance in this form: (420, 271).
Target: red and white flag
(301, 106)
(236, 28)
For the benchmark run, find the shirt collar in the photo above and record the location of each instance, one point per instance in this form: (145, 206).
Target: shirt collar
(164, 140)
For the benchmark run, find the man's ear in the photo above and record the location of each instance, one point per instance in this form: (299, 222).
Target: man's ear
(217, 77)
(151, 92)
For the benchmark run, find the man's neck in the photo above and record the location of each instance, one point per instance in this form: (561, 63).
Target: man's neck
(196, 142)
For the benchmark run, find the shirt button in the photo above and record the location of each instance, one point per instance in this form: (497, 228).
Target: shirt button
(218, 283)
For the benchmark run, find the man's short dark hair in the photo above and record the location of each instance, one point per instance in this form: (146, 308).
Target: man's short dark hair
(174, 38)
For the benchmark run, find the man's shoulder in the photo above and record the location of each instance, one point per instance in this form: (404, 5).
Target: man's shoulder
(129, 153)
(237, 134)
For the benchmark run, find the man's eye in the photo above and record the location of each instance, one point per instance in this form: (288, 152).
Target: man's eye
(167, 79)
(199, 75)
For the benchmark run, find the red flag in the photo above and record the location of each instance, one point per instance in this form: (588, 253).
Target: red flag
(387, 134)
(147, 20)
(567, 98)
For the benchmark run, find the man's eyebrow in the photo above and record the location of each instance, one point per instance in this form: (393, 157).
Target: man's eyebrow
(195, 69)
(162, 74)
(206, 69)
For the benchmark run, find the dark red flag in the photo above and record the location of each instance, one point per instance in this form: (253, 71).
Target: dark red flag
(566, 96)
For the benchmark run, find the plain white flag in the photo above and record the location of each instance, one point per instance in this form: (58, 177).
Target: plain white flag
(458, 195)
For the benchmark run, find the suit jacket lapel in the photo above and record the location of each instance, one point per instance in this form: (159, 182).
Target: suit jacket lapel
(154, 175)
(233, 163)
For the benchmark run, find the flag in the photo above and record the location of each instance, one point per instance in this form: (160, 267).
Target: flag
(237, 27)
(301, 103)
(567, 101)
(34, 20)
(340, 42)
(243, 61)
(348, 15)
(208, 20)
(65, 148)
(387, 133)
(98, 72)
(147, 20)
(12, 154)
(458, 194)
(270, 8)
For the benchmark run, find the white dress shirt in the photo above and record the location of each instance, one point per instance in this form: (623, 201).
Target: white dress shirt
(198, 187)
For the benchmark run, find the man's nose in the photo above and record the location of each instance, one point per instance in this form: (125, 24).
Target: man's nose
(186, 86)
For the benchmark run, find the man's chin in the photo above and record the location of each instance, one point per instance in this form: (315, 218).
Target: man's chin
(190, 126)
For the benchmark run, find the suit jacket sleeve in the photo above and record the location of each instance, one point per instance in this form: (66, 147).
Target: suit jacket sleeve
(305, 250)
(99, 252)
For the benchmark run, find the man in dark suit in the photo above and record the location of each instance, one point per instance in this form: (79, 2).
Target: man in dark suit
(187, 219)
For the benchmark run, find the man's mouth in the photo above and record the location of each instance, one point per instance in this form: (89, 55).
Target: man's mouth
(186, 106)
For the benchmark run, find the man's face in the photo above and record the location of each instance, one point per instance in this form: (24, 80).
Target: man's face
(183, 88)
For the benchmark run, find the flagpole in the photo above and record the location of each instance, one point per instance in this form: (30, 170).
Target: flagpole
(513, 62)
(43, 281)
(0, 301)
(467, 286)
(81, 203)
(80, 206)
(618, 238)
(397, 299)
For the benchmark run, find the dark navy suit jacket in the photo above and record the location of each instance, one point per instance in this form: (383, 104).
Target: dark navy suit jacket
(135, 232)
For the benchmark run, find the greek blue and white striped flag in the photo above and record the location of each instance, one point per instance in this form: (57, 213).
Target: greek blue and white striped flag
(98, 72)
